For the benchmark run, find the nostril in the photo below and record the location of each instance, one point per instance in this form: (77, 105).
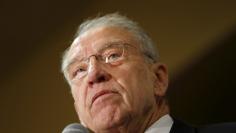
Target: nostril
(99, 78)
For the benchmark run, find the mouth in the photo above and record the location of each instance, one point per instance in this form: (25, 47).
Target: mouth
(102, 93)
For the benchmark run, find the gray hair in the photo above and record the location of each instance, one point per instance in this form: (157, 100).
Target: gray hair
(146, 44)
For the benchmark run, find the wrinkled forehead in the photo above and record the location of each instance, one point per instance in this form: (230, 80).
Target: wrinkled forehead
(92, 41)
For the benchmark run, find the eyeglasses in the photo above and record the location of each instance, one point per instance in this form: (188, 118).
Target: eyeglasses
(110, 54)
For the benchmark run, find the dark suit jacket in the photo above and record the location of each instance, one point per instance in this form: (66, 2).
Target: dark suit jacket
(181, 127)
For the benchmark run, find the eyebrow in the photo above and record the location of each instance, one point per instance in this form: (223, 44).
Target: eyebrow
(73, 60)
(107, 45)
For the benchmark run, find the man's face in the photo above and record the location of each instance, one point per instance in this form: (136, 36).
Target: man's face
(110, 94)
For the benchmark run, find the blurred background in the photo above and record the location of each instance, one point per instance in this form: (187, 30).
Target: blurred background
(196, 39)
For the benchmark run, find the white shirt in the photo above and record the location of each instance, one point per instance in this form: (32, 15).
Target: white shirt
(163, 125)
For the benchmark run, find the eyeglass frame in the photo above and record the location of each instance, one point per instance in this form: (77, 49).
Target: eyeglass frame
(103, 60)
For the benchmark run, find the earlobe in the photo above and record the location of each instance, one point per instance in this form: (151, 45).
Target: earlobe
(160, 79)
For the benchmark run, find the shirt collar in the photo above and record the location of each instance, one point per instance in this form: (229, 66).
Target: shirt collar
(163, 125)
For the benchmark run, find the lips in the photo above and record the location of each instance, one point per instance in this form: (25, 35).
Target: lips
(101, 93)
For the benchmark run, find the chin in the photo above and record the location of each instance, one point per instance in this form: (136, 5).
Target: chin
(108, 118)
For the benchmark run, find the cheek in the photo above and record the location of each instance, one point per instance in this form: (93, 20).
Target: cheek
(138, 78)
(75, 93)
(79, 97)
(136, 83)
(80, 103)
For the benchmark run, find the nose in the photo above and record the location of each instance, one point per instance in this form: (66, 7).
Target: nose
(96, 72)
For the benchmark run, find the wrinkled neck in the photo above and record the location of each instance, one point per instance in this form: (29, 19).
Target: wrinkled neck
(139, 124)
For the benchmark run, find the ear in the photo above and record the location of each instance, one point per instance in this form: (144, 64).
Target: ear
(160, 78)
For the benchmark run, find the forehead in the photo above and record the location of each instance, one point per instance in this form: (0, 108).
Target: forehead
(94, 39)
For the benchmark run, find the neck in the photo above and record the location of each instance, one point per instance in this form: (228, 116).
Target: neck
(138, 124)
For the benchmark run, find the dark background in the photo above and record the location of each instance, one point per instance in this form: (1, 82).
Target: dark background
(196, 39)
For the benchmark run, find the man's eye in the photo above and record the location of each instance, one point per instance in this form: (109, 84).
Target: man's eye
(113, 56)
(79, 71)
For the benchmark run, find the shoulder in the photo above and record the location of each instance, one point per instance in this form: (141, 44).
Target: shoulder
(218, 128)
(182, 127)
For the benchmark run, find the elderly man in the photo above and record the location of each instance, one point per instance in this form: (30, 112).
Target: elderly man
(116, 79)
